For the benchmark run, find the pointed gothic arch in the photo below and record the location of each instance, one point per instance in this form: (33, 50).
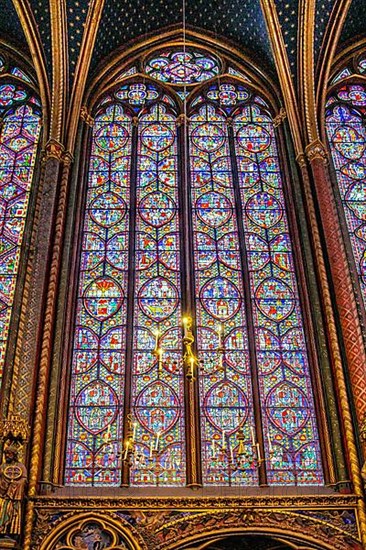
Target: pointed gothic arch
(141, 147)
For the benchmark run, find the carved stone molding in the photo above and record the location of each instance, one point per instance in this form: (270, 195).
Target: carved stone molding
(171, 523)
(67, 158)
(294, 501)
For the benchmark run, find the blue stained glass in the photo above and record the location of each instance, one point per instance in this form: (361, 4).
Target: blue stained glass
(288, 413)
(19, 134)
(182, 67)
(98, 372)
(347, 138)
(141, 273)
(222, 341)
(157, 382)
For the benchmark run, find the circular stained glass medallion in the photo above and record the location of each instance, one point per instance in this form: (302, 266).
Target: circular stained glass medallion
(103, 298)
(275, 299)
(214, 209)
(96, 406)
(349, 142)
(108, 209)
(157, 137)
(264, 210)
(111, 137)
(288, 408)
(226, 406)
(181, 67)
(220, 298)
(157, 209)
(208, 137)
(354, 170)
(157, 407)
(356, 200)
(158, 298)
(253, 138)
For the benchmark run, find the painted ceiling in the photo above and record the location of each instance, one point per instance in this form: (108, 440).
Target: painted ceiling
(239, 21)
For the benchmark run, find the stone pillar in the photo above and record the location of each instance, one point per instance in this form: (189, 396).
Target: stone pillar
(341, 275)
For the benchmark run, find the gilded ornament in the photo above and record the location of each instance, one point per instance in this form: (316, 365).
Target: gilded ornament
(13, 477)
(54, 149)
(278, 119)
(316, 150)
(86, 116)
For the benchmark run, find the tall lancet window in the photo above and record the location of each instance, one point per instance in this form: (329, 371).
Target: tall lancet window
(345, 124)
(20, 116)
(185, 218)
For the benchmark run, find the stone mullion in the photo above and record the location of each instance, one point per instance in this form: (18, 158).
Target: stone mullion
(191, 388)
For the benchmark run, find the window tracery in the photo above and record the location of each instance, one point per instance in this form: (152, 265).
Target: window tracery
(227, 251)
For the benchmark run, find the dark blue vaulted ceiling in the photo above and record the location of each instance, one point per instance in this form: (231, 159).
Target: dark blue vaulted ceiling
(10, 26)
(355, 24)
(288, 17)
(239, 21)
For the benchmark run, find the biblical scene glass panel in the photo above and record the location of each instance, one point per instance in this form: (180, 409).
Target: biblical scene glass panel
(288, 412)
(183, 212)
(98, 368)
(19, 133)
(222, 342)
(157, 382)
(345, 123)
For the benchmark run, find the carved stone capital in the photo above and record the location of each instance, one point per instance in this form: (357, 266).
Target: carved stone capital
(67, 158)
(54, 149)
(316, 150)
(278, 119)
(301, 160)
(86, 116)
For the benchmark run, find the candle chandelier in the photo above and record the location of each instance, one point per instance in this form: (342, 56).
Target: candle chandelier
(237, 456)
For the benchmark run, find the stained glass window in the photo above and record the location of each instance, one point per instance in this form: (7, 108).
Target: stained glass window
(288, 412)
(182, 67)
(98, 371)
(19, 133)
(345, 125)
(157, 382)
(362, 64)
(159, 235)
